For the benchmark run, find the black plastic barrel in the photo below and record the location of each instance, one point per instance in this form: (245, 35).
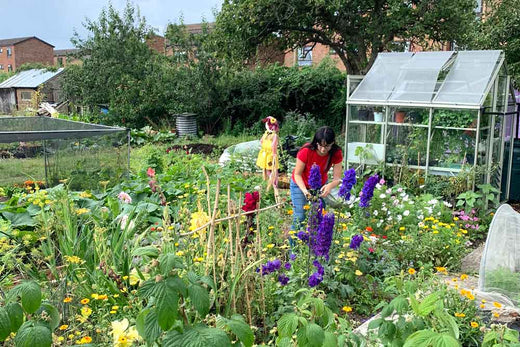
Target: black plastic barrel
(186, 124)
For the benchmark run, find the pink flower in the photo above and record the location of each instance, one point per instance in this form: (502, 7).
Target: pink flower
(150, 172)
(371, 250)
(152, 185)
(124, 197)
(382, 181)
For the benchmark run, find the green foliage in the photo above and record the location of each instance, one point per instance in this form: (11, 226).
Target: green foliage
(39, 66)
(31, 329)
(500, 335)
(356, 30)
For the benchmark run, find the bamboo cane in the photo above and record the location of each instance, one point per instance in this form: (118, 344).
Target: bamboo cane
(210, 249)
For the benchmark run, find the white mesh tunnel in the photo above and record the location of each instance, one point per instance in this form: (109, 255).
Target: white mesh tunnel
(500, 264)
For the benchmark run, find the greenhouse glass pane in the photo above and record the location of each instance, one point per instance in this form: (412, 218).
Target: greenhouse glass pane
(418, 77)
(468, 78)
(381, 78)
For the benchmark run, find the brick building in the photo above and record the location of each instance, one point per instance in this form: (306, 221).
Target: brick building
(64, 57)
(18, 51)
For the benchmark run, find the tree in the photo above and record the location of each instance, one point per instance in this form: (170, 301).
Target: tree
(356, 29)
(117, 67)
(500, 29)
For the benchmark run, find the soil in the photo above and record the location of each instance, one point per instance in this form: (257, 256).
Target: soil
(196, 148)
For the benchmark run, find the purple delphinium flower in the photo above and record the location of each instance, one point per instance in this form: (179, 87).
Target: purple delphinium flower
(292, 256)
(349, 180)
(271, 266)
(287, 266)
(283, 279)
(303, 235)
(313, 224)
(317, 277)
(355, 242)
(315, 178)
(324, 236)
(368, 191)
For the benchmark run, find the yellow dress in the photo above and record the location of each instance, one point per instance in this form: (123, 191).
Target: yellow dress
(265, 156)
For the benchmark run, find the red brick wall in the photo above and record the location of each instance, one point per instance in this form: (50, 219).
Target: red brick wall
(66, 60)
(4, 60)
(319, 52)
(33, 51)
(157, 43)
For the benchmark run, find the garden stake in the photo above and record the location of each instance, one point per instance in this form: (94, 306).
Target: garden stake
(207, 189)
(231, 253)
(259, 245)
(210, 249)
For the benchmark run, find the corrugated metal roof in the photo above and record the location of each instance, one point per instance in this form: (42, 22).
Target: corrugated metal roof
(29, 78)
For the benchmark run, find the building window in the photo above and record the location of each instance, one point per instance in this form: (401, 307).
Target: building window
(1, 67)
(9, 68)
(60, 61)
(1, 50)
(9, 52)
(26, 96)
(305, 56)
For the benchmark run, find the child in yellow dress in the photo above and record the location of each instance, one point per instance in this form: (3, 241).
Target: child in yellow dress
(268, 156)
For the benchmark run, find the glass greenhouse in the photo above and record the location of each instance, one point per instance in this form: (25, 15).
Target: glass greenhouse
(50, 150)
(436, 112)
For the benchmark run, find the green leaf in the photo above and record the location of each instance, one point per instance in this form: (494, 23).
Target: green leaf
(167, 306)
(239, 327)
(168, 262)
(448, 322)
(15, 312)
(177, 284)
(420, 338)
(20, 219)
(287, 324)
(147, 325)
(33, 334)
(387, 311)
(284, 341)
(414, 304)
(375, 323)
(400, 304)
(31, 295)
(199, 298)
(197, 336)
(428, 304)
(148, 251)
(387, 330)
(445, 340)
(314, 334)
(52, 313)
(511, 335)
(330, 340)
(5, 324)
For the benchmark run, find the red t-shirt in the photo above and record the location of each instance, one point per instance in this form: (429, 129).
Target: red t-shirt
(310, 157)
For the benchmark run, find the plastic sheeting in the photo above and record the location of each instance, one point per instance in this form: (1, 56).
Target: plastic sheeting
(499, 275)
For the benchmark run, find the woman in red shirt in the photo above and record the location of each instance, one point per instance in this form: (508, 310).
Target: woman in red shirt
(324, 152)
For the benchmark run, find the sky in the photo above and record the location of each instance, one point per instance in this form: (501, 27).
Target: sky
(54, 21)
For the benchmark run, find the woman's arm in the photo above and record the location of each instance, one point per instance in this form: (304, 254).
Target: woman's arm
(298, 179)
(336, 180)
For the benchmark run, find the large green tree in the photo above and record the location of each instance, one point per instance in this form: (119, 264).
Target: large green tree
(356, 29)
(500, 29)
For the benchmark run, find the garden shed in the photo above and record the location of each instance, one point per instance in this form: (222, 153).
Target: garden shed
(52, 150)
(440, 113)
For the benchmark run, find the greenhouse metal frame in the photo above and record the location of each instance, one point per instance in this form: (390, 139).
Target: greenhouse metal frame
(86, 153)
(411, 107)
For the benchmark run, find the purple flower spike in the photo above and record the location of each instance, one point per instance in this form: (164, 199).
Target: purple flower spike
(349, 181)
(368, 191)
(292, 256)
(315, 279)
(355, 242)
(271, 266)
(324, 236)
(283, 279)
(315, 178)
(287, 266)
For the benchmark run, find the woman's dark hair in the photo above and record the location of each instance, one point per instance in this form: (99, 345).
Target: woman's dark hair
(324, 134)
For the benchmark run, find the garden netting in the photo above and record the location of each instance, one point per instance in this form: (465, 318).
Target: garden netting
(499, 277)
(50, 150)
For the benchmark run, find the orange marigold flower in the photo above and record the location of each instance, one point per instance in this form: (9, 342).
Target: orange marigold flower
(369, 229)
(85, 301)
(63, 327)
(67, 299)
(86, 339)
(474, 324)
(411, 271)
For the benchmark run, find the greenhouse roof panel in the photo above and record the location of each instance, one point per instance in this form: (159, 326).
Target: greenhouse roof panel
(468, 78)
(418, 78)
(380, 81)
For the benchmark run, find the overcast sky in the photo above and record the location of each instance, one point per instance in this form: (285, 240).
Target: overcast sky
(54, 21)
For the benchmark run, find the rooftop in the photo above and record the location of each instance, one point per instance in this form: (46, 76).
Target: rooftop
(30, 78)
(14, 41)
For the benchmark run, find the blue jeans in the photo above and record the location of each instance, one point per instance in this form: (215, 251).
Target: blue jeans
(298, 201)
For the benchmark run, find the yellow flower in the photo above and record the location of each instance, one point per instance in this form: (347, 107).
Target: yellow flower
(94, 296)
(73, 259)
(86, 311)
(346, 309)
(123, 335)
(102, 297)
(358, 273)
(81, 211)
(271, 245)
(470, 296)
(85, 340)
(85, 195)
(441, 269)
(460, 315)
(306, 207)
(496, 315)
(411, 271)
(67, 299)
(179, 253)
(115, 307)
(455, 218)
(463, 277)
(402, 229)
(290, 212)
(85, 301)
(474, 324)
(63, 327)
(497, 304)
(482, 306)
